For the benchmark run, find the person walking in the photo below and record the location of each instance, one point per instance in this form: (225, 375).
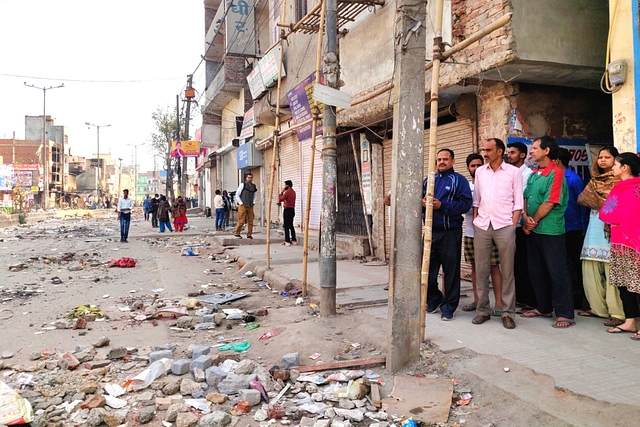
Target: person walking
(163, 214)
(154, 211)
(227, 208)
(287, 198)
(452, 199)
(545, 201)
(621, 211)
(180, 214)
(146, 204)
(125, 206)
(497, 205)
(246, 199)
(604, 300)
(218, 204)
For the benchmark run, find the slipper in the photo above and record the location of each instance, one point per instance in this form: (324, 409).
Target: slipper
(496, 313)
(286, 244)
(619, 330)
(612, 321)
(635, 337)
(469, 307)
(588, 313)
(557, 323)
(534, 313)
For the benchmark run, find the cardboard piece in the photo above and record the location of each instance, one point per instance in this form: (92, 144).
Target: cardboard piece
(424, 399)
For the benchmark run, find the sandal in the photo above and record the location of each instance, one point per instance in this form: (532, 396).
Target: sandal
(496, 312)
(619, 330)
(589, 313)
(635, 337)
(612, 321)
(563, 323)
(286, 244)
(534, 313)
(469, 307)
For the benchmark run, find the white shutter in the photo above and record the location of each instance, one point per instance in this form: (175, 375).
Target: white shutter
(316, 189)
(230, 171)
(289, 168)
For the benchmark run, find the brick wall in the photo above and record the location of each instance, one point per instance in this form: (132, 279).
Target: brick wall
(209, 14)
(211, 119)
(235, 70)
(25, 151)
(494, 105)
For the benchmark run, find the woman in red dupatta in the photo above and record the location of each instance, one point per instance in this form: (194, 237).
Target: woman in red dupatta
(621, 210)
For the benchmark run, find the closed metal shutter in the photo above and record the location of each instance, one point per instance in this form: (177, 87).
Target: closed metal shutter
(290, 169)
(257, 208)
(387, 147)
(268, 156)
(230, 171)
(316, 190)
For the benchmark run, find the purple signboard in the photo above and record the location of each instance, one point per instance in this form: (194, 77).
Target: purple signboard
(300, 99)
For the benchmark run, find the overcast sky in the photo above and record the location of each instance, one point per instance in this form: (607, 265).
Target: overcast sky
(143, 48)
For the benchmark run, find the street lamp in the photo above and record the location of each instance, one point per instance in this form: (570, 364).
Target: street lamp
(119, 177)
(135, 168)
(99, 167)
(45, 146)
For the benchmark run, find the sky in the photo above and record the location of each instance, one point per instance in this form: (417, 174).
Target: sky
(119, 61)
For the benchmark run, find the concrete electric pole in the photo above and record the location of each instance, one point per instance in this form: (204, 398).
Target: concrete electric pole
(99, 189)
(189, 94)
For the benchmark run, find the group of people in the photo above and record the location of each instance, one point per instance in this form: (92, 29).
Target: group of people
(156, 209)
(223, 206)
(525, 235)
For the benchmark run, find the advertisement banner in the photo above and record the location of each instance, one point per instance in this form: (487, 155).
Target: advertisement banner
(7, 179)
(300, 101)
(247, 125)
(185, 149)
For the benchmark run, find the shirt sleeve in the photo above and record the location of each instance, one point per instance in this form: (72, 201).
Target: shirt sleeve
(555, 190)
(238, 192)
(518, 194)
(476, 190)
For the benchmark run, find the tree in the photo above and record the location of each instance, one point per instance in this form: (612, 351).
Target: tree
(164, 133)
(19, 197)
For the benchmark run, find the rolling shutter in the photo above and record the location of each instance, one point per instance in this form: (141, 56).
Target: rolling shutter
(316, 193)
(230, 171)
(290, 169)
(268, 156)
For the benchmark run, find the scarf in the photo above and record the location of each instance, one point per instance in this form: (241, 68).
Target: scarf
(598, 188)
(621, 210)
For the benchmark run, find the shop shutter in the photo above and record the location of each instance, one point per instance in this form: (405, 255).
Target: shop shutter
(316, 193)
(268, 158)
(386, 154)
(289, 168)
(257, 180)
(230, 171)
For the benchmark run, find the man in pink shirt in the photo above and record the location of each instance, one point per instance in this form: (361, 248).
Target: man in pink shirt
(497, 205)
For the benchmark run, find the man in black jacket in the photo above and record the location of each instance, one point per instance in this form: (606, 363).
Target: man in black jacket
(154, 211)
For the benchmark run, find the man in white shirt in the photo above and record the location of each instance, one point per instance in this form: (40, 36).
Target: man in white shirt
(218, 204)
(125, 206)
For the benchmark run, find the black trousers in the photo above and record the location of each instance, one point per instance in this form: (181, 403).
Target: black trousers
(446, 249)
(154, 219)
(547, 258)
(630, 303)
(289, 232)
(575, 239)
(524, 290)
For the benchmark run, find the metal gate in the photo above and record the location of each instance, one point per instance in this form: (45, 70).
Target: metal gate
(350, 218)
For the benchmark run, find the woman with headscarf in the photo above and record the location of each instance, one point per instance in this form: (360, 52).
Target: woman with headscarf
(180, 214)
(163, 214)
(621, 211)
(604, 300)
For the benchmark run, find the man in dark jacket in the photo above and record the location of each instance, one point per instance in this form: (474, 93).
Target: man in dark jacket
(452, 199)
(154, 211)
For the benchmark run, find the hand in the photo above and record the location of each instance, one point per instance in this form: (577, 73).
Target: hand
(387, 200)
(424, 202)
(436, 203)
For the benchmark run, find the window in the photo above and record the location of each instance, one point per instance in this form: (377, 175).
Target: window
(301, 9)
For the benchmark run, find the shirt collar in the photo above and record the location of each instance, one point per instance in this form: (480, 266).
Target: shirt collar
(447, 172)
(546, 171)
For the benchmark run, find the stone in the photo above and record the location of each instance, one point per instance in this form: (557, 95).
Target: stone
(83, 347)
(317, 397)
(215, 419)
(95, 401)
(250, 395)
(146, 415)
(264, 377)
(171, 347)
(338, 423)
(36, 355)
(160, 354)
(218, 318)
(68, 362)
(198, 375)
(64, 323)
(115, 418)
(180, 367)
(172, 412)
(101, 342)
(145, 397)
(350, 414)
(359, 403)
(232, 384)
(89, 387)
(188, 386)
(186, 419)
(306, 422)
(380, 416)
(202, 362)
(201, 350)
(290, 360)
(245, 367)
(260, 415)
(84, 356)
(95, 364)
(172, 386)
(346, 404)
(163, 403)
(214, 375)
(185, 322)
(322, 423)
(216, 398)
(330, 412)
(310, 388)
(117, 353)
(294, 374)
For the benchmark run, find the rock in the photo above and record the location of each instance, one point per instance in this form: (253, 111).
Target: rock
(203, 362)
(317, 397)
(380, 416)
(260, 415)
(68, 362)
(115, 418)
(338, 423)
(188, 386)
(216, 398)
(95, 364)
(171, 387)
(89, 387)
(146, 415)
(160, 354)
(180, 367)
(185, 322)
(346, 404)
(307, 422)
(198, 375)
(186, 419)
(330, 412)
(101, 342)
(264, 377)
(64, 323)
(117, 353)
(294, 374)
(359, 403)
(84, 356)
(172, 412)
(291, 359)
(250, 395)
(245, 367)
(214, 375)
(232, 384)
(201, 350)
(215, 419)
(36, 355)
(146, 398)
(83, 347)
(95, 401)
(322, 423)
(350, 414)
(218, 318)
(311, 388)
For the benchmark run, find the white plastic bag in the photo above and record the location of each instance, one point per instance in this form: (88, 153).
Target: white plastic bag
(13, 408)
(149, 375)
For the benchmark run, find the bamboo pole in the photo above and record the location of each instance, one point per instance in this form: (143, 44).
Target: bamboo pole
(364, 205)
(431, 177)
(305, 251)
(295, 26)
(276, 139)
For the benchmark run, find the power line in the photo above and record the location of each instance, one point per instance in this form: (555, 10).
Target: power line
(90, 81)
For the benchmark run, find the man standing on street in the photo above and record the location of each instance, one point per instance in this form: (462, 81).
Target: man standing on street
(246, 198)
(218, 204)
(452, 199)
(525, 298)
(545, 202)
(154, 203)
(497, 205)
(288, 198)
(147, 208)
(125, 205)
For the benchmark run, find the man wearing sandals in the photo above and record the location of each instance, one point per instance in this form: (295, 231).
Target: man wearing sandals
(545, 201)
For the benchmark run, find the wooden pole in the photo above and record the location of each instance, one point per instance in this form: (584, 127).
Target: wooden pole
(364, 205)
(314, 107)
(431, 177)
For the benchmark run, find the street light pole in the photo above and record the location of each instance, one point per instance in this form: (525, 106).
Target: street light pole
(45, 146)
(135, 167)
(99, 189)
(119, 177)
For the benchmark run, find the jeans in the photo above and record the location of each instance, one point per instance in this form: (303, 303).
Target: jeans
(154, 219)
(164, 224)
(289, 231)
(219, 217)
(446, 249)
(225, 221)
(146, 214)
(125, 221)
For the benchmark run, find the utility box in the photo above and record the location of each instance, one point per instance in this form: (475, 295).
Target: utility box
(249, 156)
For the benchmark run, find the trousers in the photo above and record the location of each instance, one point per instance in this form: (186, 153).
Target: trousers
(289, 232)
(245, 215)
(446, 250)
(125, 221)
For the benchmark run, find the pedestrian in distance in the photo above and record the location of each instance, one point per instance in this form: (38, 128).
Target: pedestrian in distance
(125, 206)
(155, 201)
(163, 214)
(287, 198)
(179, 214)
(227, 208)
(497, 206)
(246, 199)
(146, 204)
(218, 204)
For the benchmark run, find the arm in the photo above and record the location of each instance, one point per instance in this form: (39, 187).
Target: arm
(462, 200)
(518, 197)
(542, 211)
(238, 192)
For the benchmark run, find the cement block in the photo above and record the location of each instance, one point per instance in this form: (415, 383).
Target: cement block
(233, 384)
(201, 351)
(250, 395)
(161, 354)
(214, 375)
(290, 360)
(180, 367)
(203, 362)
